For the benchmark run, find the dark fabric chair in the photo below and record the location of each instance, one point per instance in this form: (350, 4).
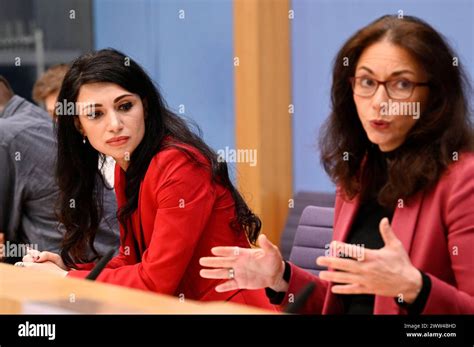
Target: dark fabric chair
(301, 200)
(313, 236)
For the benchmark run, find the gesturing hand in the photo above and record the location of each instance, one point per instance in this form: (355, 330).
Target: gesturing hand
(387, 271)
(246, 268)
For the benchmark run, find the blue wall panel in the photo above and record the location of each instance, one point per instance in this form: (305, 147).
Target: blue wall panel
(319, 29)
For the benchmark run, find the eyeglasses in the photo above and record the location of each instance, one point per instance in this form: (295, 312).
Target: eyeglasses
(398, 88)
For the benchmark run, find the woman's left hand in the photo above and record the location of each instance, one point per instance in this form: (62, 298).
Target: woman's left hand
(387, 271)
(47, 266)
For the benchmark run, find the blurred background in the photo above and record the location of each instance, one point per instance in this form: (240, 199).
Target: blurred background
(253, 74)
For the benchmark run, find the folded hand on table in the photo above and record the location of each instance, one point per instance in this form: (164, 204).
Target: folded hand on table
(44, 261)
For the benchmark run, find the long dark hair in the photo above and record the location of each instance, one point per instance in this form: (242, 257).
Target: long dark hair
(430, 146)
(77, 164)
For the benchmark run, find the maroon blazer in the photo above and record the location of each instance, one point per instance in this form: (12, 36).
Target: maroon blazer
(437, 230)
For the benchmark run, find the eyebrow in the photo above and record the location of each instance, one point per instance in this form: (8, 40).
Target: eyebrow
(395, 73)
(117, 99)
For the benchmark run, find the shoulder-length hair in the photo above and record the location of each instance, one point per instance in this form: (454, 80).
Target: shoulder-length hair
(77, 170)
(437, 138)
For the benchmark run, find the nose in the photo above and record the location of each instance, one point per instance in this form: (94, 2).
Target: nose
(379, 97)
(114, 122)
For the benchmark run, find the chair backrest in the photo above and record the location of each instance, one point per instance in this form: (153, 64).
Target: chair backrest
(313, 236)
(301, 200)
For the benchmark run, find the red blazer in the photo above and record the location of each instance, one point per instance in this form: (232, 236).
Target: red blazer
(437, 230)
(181, 215)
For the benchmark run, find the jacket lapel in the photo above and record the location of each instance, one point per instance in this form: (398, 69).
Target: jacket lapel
(404, 220)
(139, 235)
(346, 218)
(403, 224)
(341, 231)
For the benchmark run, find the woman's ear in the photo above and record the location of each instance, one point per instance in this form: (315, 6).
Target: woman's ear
(78, 125)
(145, 108)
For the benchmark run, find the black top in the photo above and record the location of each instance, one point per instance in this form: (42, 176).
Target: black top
(365, 232)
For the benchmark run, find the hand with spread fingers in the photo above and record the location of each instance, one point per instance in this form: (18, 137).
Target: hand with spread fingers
(387, 271)
(246, 268)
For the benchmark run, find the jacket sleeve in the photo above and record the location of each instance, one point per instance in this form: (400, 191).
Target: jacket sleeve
(121, 259)
(459, 215)
(184, 197)
(7, 183)
(299, 278)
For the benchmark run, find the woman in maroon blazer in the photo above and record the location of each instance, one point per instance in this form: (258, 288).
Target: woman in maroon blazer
(399, 146)
(174, 194)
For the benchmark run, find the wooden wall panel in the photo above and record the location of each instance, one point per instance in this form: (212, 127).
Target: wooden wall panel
(262, 99)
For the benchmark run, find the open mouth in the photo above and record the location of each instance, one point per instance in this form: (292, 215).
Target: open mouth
(379, 124)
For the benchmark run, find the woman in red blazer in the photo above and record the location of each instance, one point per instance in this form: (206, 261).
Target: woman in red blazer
(399, 146)
(175, 198)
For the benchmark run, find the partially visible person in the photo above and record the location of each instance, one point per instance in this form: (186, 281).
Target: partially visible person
(45, 94)
(46, 88)
(6, 93)
(176, 200)
(28, 190)
(404, 217)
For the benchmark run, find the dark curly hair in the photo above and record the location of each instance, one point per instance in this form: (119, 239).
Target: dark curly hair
(444, 129)
(77, 165)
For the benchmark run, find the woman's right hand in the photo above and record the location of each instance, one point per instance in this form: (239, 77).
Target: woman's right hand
(35, 256)
(246, 268)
